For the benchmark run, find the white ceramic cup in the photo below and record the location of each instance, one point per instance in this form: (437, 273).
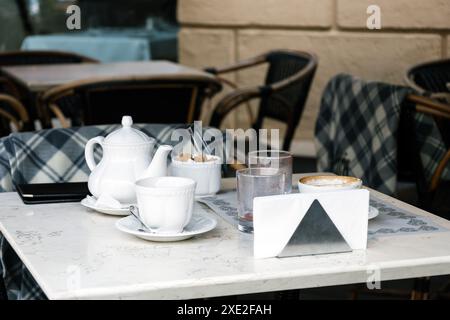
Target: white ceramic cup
(319, 184)
(165, 203)
(206, 174)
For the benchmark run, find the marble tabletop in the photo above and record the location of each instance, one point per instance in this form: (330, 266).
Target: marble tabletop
(77, 254)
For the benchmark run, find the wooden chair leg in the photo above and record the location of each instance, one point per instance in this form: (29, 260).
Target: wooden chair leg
(354, 295)
(421, 289)
(288, 295)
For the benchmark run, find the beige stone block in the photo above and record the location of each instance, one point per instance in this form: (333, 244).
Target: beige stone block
(383, 57)
(202, 48)
(206, 47)
(290, 13)
(396, 14)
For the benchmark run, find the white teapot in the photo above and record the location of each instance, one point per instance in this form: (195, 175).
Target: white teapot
(126, 158)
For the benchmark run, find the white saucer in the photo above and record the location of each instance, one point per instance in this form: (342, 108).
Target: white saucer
(200, 223)
(373, 212)
(89, 202)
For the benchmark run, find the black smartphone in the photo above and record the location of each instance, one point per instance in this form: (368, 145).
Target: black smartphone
(52, 192)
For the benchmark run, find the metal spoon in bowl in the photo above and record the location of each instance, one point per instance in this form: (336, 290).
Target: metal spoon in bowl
(135, 212)
(199, 143)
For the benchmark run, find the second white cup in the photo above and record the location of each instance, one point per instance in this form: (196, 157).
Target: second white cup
(165, 203)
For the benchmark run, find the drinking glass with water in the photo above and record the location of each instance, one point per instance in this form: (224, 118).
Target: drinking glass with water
(256, 182)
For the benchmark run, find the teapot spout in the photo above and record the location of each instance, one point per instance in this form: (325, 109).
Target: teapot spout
(158, 166)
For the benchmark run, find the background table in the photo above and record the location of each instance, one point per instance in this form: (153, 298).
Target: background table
(76, 254)
(112, 44)
(42, 77)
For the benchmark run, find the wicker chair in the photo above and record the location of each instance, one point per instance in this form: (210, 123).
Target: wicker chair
(440, 114)
(282, 96)
(12, 112)
(164, 99)
(431, 79)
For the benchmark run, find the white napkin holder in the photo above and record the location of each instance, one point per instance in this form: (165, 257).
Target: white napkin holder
(310, 223)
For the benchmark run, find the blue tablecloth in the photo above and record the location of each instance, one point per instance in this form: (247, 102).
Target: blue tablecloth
(111, 44)
(106, 49)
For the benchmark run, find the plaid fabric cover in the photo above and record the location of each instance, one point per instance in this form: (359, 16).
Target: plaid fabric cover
(432, 149)
(356, 132)
(5, 172)
(50, 156)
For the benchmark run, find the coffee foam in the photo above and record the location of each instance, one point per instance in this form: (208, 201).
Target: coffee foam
(321, 181)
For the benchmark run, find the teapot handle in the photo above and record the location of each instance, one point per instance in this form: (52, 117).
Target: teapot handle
(89, 151)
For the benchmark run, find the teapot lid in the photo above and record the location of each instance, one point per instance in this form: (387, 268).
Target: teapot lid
(127, 135)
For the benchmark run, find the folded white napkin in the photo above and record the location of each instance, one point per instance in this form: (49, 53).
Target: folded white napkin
(276, 218)
(106, 201)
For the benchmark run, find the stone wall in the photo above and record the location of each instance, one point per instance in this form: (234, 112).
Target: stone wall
(219, 32)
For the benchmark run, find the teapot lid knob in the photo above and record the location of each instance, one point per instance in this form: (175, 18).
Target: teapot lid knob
(127, 135)
(127, 121)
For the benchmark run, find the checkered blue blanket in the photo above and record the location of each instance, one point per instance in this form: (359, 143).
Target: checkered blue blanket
(50, 156)
(356, 132)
